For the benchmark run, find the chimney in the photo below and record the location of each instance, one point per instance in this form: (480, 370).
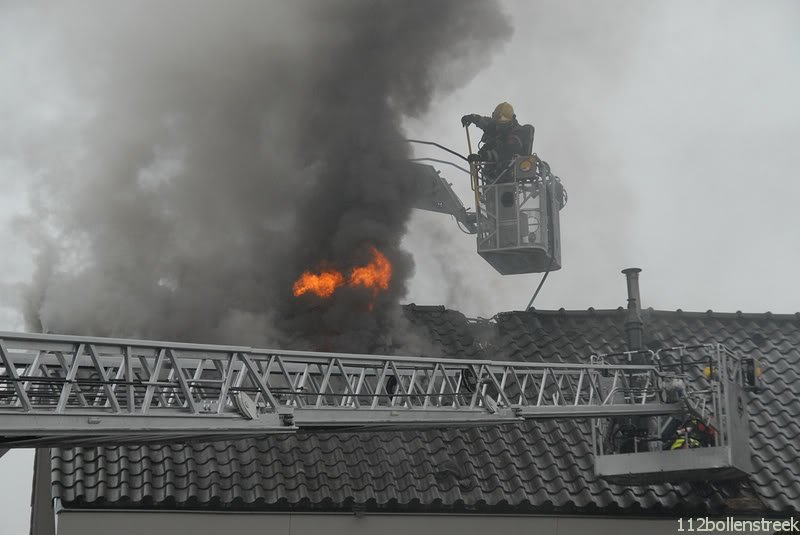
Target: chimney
(634, 334)
(633, 319)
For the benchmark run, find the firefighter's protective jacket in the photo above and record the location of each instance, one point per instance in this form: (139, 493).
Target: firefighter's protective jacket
(502, 144)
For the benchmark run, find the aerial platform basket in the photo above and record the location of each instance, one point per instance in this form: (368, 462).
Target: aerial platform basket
(517, 216)
(518, 223)
(715, 392)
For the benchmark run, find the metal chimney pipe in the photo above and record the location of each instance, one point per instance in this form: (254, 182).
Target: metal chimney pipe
(634, 327)
(634, 332)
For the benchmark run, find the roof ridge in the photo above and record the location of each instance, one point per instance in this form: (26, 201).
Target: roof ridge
(651, 310)
(620, 309)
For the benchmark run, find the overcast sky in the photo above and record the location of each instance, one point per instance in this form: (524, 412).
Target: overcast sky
(674, 126)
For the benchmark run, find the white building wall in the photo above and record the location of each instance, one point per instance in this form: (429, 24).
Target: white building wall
(72, 522)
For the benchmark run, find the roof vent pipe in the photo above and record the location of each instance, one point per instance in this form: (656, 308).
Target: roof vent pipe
(634, 333)
(633, 319)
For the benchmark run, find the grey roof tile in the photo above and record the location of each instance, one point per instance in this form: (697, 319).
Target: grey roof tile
(541, 466)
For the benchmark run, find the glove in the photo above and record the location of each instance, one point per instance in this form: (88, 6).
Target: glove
(472, 158)
(468, 119)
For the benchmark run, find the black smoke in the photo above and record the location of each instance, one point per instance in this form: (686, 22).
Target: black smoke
(220, 149)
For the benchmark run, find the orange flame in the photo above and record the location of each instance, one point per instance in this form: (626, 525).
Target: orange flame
(322, 284)
(376, 276)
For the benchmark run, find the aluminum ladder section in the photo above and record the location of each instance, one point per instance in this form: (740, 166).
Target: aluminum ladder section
(74, 390)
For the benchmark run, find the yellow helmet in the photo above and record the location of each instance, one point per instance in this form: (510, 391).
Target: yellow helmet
(503, 113)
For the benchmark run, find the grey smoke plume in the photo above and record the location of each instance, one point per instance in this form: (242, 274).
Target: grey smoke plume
(221, 149)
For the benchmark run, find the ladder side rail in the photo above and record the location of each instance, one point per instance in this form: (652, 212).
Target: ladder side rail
(302, 359)
(177, 382)
(63, 342)
(212, 351)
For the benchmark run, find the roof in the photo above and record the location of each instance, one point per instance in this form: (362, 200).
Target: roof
(533, 467)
